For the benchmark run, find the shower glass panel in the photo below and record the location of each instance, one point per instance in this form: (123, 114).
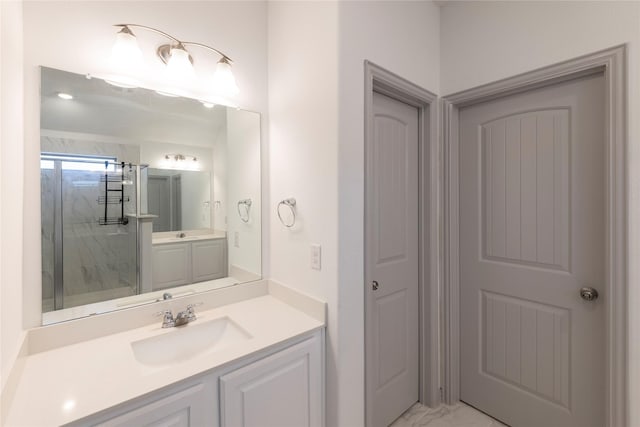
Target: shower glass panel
(89, 245)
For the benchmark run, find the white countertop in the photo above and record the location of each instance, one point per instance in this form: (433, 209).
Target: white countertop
(164, 237)
(70, 382)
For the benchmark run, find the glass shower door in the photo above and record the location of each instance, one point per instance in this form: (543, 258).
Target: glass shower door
(89, 246)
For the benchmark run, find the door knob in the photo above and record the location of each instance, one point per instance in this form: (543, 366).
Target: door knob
(588, 294)
(375, 285)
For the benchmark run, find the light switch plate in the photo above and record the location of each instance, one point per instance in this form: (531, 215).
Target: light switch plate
(316, 257)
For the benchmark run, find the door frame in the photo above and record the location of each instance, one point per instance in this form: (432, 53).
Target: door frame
(613, 63)
(380, 80)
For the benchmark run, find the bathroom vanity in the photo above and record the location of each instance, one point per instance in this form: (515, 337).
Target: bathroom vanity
(276, 387)
(253, 362)
(193, 258)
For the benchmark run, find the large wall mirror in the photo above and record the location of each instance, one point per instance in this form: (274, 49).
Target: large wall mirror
(145, 196)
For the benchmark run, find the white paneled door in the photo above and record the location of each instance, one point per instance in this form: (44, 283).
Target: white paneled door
(532, 235)
(392, 254)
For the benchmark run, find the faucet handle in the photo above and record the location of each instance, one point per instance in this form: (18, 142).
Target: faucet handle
(167, 320)
(191, 313)
(194, 304)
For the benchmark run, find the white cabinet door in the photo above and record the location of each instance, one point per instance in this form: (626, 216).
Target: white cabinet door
(282, 390)
(171, 265)
(190, 405)
(208, 260)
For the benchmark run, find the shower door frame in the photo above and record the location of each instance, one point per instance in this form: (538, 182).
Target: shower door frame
(58, 222)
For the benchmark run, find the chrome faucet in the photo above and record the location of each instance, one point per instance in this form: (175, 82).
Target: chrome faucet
(182, 318)
(167, 319)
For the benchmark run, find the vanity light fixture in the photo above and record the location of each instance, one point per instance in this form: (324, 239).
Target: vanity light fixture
(65, 96)
(125, 51)
(175, 55)
(179, 157)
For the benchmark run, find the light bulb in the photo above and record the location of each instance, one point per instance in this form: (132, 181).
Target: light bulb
(125, 53)
(179, 65)
(223, 81)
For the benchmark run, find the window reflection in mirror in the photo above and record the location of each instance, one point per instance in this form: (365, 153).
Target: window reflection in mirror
(134, 181)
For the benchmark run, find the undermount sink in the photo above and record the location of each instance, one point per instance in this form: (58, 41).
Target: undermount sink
(185, 342)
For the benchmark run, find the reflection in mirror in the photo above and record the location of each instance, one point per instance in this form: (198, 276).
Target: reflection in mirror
(142, 195)
(180, 200)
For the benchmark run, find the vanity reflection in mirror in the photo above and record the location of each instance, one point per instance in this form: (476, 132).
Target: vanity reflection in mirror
(143, 194)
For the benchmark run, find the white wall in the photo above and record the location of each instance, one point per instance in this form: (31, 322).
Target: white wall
(316, 118)
(303, 105)
(77, 36)
(11, 184)
(243, 182)
(219, 181)
(196, 192)
(303, 145)
(486, 41)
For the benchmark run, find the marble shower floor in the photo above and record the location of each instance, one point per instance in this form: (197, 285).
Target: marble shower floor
(458, 415)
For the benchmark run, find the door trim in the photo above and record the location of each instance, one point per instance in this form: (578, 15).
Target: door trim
(379, 80)
(613, 63)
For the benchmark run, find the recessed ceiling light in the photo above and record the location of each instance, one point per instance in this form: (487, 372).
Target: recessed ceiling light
(208, 104)
(65, 96)
(68, 405)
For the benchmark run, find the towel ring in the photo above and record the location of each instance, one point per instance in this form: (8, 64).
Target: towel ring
(291, 204)
(244, 213)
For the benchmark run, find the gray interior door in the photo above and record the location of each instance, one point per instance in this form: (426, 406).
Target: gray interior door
(392, 261)
(532, 234)
(159, 199)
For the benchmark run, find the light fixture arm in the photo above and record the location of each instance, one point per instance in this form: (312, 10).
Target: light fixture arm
(180, 43)
(204, 46)
(169, 36)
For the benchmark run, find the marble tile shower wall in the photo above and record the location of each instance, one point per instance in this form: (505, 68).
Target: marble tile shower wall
(100, 261)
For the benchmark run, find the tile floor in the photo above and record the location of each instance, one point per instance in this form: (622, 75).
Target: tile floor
(458, 415)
